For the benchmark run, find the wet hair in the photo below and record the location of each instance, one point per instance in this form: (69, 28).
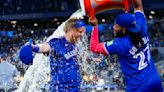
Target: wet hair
(70, 24)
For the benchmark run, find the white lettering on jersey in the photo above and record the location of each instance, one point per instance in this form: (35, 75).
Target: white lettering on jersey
(70, 54)
(144, 60)
(133, 50)
(145, 40)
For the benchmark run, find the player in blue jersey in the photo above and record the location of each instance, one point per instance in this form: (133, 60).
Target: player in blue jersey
(132, 45)
(65, 75)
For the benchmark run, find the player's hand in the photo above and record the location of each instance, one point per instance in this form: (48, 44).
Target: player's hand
(30, 43)
(93, 21)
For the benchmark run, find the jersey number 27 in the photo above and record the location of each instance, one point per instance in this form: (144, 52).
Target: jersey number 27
(144, 58)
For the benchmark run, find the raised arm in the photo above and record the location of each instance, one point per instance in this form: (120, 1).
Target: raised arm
(26, 51)
(95, 46)
(138, 5)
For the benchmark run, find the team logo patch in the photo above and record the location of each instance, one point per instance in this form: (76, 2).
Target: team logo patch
(110, 43)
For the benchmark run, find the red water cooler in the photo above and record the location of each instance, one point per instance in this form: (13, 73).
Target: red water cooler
(91, 7)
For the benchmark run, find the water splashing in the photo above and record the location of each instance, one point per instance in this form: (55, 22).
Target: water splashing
(38, 74)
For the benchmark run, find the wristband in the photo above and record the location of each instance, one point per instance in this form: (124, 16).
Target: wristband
(36, 48)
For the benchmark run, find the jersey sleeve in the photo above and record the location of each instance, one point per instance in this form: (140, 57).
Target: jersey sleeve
(141, 21)
(54, 44)
(111, 47)
(140, 17)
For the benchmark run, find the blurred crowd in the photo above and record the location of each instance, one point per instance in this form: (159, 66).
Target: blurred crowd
(35, 6)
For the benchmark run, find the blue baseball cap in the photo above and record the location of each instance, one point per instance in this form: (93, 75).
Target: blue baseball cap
(79, 23)
(25, 53)
(128, 21)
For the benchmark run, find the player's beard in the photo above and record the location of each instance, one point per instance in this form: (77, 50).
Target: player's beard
(119, 34)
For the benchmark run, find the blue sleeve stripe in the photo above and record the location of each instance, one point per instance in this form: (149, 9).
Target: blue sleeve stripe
(36, 48)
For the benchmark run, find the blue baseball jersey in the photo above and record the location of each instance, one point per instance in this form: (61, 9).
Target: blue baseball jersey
(136, 64)
(63, 64)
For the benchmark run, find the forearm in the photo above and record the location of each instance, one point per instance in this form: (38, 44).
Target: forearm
(138, 5)
(94, 39)
(42, 48)
(95, 46)
(25, 53)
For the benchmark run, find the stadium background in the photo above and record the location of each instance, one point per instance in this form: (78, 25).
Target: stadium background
(37, 19)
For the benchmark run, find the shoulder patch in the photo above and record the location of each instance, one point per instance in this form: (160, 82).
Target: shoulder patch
(109, 43)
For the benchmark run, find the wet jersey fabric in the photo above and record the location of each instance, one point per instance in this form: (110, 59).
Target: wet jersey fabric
(65, 75)
(136, 64)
